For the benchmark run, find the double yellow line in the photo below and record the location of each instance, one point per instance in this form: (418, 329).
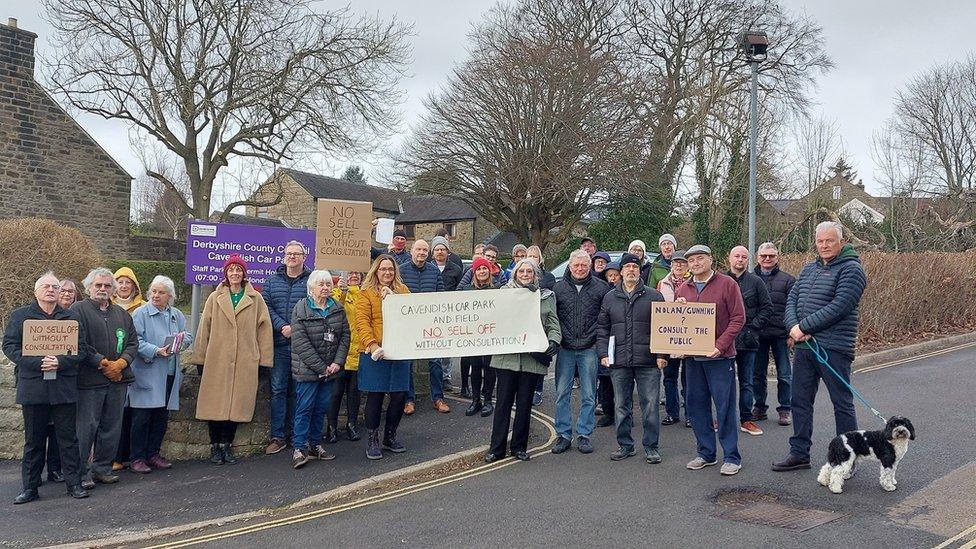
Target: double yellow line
(965, 533)
(546, 420)
(913, 358)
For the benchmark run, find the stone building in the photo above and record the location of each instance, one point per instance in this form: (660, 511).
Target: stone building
(50, 166)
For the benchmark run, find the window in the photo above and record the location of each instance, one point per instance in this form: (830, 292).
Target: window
(409, 230)
(451, 230)
(263, 212)
(836, 192)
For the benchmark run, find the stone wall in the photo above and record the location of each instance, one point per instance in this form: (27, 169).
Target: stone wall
(49, 166)
(462, 243)
(296, 208)
(11, 419)
(153, 248)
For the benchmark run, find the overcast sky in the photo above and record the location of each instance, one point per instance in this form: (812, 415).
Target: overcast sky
(877, 47)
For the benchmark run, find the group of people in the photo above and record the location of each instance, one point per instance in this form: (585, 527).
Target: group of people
(321, 337)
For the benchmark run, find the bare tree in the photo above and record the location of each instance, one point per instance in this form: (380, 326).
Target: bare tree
(816, 143)
(213, 80)
(535, 123)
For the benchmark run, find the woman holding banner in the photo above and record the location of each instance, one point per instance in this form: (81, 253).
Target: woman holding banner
(482, 376)
(517, 374)
(379, 377)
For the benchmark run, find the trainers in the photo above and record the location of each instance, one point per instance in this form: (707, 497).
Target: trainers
(729, 469)
(700, 463)
(751, 428)
(652, 456)
(561, 445)
(276, 445)
(537, 398)
(298, 459)
(584, 445)
(623, 453)
(759, 415)
(669, 420)
(320, 453)
(441, 406)
(785, 419)
(791, 463)
(408, 408)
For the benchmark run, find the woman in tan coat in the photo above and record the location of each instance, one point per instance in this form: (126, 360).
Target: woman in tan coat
(234, 339)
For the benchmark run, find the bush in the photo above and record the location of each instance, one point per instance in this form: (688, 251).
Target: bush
(32, 246)
(147, 270)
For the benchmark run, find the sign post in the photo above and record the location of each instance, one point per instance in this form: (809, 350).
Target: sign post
(683, 328)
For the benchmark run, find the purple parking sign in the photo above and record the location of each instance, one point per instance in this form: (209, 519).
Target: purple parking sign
(263, 249)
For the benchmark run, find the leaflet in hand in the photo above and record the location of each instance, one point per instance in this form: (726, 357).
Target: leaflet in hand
(174, 342)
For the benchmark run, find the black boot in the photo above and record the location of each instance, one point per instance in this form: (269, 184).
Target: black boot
(227, 451)
(216, 454)
(474, 408)
(352, 433)
(330, 435)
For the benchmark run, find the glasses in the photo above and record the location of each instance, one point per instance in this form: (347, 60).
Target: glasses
(54, 287)
(294, 254)
(767, 256)
(491, 257)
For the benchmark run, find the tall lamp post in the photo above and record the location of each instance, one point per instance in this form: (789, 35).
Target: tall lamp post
(753, 45)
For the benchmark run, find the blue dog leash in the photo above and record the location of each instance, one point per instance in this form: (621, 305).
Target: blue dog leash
(822, 357)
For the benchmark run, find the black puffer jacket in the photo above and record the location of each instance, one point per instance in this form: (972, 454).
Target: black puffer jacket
(578, 309)
(312, 351)
(759, 309)
(628, 320)
(451, 275)
(779, 283)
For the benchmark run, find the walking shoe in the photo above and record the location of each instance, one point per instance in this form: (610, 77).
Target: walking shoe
(791, 463)
(88, 484)
(491, 458)
(652, 456)
(299, 458)
(227, 449)
(352, 433)
(759, 415)
(729, 469)
(26, 496)
(373, 450)
(55, 476)
(391, 443)
(320, 453)
(117, 466)
(140, 466)
(157, 462)
(487, 409)
(408, 408)
(441, 406)
(700, 463)
(276, 445)
(605, 421)
(537, 398)
(216, 457)
(465, 392)
(584, 445)
(669, 420)
(561, 445)
(105, 479)
(521, 455)
(77, 492)
(474, 408)
(751, 428)
(785, 419)
(623, 453)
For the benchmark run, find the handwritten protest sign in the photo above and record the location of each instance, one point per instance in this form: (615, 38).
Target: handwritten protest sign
(50, 337)
(456, 324)
(343, 235)
(683, 328)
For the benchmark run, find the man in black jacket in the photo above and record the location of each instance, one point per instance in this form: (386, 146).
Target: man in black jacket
(773, 337)
(110, 345)
(759, 308)
(578, 300)
(47, 390)
(625, 325)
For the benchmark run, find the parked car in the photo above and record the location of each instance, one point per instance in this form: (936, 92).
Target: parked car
(559, 270)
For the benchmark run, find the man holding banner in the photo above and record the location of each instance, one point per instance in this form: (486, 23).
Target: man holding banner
(47, 389)
(711, 378)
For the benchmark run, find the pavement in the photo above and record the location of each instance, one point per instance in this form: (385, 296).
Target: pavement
(569, 499)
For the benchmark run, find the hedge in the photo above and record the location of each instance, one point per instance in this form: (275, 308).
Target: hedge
(147, 270)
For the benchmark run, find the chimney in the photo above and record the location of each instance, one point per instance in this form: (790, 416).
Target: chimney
(16, 50)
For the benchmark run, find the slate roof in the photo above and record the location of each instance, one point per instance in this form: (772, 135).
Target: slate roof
(433, 208)
(240, 219)
(320, 186)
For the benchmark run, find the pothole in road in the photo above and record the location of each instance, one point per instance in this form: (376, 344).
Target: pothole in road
(765, 508)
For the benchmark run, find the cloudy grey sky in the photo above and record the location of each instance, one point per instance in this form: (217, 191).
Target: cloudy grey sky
(877, 45)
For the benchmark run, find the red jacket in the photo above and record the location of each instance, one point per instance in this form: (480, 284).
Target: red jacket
(730, 313)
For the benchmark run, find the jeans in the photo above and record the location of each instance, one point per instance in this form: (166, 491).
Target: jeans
(672, 398)
(312, 399)
(570, 364)
(282, 393)
(99, 424)
(713, 381)
(745, 363)
(436, 374)
(514, 388)
(648, 382)
(807, 373)
(36, 425)
(784, 373)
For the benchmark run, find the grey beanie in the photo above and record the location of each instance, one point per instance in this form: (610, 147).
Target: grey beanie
(438, 240)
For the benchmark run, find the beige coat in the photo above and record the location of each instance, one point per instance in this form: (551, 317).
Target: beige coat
(231, 344)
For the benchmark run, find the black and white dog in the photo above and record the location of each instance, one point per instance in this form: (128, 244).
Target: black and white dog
(887, 446)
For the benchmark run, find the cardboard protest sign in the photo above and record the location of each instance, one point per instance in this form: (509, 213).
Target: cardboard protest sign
(683, 328)
(458, 324)
(343, 235)
(50, 337)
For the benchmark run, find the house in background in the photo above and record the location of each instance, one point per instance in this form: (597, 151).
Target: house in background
(840, 194)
